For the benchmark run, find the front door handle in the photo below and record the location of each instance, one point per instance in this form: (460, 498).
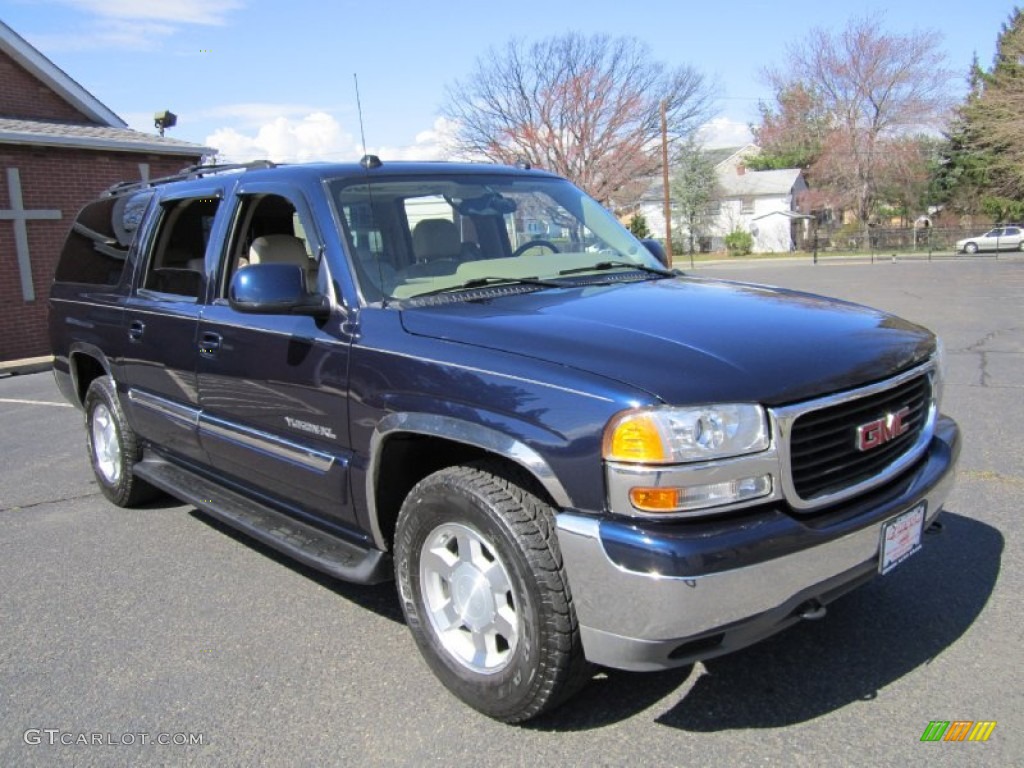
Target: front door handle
(136, 329)
(209, 343)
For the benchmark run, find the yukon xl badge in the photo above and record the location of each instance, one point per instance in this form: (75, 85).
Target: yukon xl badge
(313, 429)
(881, 431)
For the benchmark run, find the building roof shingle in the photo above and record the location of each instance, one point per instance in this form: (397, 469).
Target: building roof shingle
(62, 134)
(755, 183)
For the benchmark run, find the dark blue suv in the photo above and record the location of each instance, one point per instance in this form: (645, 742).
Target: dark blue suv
(472, 379)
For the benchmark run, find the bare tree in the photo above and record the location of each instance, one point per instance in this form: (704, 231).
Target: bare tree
(584, 107)
(875, 88)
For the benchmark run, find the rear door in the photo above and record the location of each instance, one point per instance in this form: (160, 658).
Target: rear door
(1012, 238)
(273, 388)
(161, 319)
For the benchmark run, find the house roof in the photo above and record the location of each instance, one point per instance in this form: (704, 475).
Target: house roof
(756, 183)
(722, 155)
(784, 214)
(719, 155)
(54, 133)
(108, 132)
(56, 79)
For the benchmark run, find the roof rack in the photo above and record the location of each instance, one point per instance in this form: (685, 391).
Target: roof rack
(191, 172)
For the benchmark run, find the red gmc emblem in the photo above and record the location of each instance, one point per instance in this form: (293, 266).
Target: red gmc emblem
(881, 431)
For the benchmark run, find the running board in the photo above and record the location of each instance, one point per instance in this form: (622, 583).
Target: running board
(298, 540)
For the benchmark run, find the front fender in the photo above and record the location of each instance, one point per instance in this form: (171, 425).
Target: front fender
(459, 431)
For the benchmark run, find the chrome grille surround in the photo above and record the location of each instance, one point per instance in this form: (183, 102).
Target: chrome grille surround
(785, 419)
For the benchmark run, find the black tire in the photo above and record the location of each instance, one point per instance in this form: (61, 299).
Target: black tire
(540, 663)
(971, 248)
(113, 447)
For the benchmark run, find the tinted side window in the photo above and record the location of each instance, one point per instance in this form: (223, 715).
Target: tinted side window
(178, 248)
(96, 248)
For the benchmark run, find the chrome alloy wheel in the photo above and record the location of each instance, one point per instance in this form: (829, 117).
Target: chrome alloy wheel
(469, 599)
(106, 447)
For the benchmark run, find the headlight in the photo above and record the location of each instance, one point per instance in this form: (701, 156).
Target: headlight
(667, 435)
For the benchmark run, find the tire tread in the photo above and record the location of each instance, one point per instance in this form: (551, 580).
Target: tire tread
(513, 495)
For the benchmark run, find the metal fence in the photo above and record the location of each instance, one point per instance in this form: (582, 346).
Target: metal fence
(886, 240)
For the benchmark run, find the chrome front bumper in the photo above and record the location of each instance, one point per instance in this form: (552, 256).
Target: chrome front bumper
(685, 602)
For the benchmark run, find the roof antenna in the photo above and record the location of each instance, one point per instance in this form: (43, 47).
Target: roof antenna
(367, 161)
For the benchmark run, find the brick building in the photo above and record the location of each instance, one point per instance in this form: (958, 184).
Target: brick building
(59, 148)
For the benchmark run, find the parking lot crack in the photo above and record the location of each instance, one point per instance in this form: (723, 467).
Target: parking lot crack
(33, 504)
(979, 348)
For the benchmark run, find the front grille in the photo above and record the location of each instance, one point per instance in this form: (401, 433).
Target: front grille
(823, 447)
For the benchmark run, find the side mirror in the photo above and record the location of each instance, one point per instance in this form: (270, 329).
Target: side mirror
(658, 251)
(275, 289)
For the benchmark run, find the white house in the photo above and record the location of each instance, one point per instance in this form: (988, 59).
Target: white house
(763, 203)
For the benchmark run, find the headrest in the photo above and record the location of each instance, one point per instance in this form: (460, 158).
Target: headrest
(436, 239)
(278, 249)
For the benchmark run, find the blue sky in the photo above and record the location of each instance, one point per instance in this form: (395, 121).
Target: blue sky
(259, 78)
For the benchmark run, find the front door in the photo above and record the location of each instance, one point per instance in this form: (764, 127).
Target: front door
(273, 388)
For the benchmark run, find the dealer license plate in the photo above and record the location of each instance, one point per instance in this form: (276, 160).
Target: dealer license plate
(901, 537)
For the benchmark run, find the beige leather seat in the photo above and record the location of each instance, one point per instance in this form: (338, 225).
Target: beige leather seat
(283, 249)
(434, 239)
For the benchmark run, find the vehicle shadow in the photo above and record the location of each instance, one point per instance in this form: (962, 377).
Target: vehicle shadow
(869, 639)
(382, 599)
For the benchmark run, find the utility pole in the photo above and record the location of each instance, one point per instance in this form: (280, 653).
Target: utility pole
(664, 183)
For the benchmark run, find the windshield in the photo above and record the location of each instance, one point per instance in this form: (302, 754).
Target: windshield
(422, 234)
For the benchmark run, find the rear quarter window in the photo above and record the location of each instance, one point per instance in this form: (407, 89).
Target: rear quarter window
(96, 249)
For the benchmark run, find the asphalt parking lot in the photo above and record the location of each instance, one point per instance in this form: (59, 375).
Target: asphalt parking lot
(129, 627)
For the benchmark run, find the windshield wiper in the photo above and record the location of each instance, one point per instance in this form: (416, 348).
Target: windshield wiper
(483, 282)
(605, 265)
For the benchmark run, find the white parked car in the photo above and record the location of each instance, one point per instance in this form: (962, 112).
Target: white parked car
(998, 239)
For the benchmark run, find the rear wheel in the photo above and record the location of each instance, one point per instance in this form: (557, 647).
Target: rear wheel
(484, 591)
(113, 446)
(971, 248)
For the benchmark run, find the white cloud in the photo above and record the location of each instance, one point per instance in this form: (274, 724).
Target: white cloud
(254, 114)
(315, 136)
(133, 25)
(724, 132)
(208, 12)
(106, 34)
(436, 143)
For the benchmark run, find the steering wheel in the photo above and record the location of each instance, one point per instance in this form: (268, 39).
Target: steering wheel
(534, 244)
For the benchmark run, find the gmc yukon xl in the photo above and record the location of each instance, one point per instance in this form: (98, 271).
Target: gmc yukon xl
(473, 380)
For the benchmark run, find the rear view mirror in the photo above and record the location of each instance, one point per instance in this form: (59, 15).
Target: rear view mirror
(658, 251)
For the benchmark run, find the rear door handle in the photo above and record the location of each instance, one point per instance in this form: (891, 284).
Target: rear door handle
(136, 329)
(209, 343)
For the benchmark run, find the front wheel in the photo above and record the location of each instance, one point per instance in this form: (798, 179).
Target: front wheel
(484, 591)
(113, 446)
(971, 248)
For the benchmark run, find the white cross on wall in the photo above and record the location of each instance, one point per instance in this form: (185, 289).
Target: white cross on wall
(20, 216)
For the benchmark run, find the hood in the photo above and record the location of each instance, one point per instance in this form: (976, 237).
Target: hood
(689, 340)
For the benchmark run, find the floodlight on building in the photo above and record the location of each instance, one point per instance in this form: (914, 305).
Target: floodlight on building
(164, 120)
